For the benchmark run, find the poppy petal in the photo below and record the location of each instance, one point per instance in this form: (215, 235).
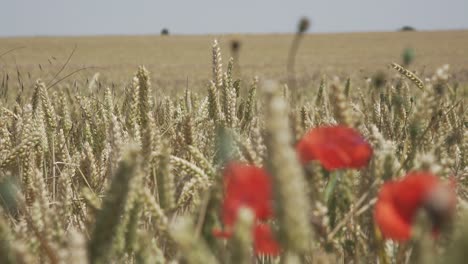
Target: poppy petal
(336, 147)
(248, 186)
(390, 222)
(222, 233)
(399, 201)
(264, 242)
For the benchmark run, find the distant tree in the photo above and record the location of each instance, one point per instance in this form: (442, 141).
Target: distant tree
(407, 28)
(165, 32)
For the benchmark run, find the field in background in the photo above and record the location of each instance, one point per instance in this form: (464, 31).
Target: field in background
(173, 60)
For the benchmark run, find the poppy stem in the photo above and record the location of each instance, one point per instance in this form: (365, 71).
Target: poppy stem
(330, 186)
(354, 211)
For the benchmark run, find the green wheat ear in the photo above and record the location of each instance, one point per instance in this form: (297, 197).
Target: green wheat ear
(242, 238)
(292, 206)
(408, 74)
(7, 255)
(109, 217)
(193, 249)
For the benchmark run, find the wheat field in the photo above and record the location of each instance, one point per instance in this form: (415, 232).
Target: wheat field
(185, 149)
(175, 59)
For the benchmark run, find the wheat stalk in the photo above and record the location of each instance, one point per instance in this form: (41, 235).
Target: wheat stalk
(408, 74)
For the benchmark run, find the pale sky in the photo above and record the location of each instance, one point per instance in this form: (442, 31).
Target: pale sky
(131, 17)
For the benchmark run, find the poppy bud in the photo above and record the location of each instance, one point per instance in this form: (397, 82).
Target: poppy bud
(303, 25)
(235, 45)
(439, 205)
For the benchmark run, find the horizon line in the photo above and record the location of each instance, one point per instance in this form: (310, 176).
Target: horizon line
(223, 33)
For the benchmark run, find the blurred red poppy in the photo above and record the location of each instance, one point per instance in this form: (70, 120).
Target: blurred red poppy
(399, 201)
(264, 241)
(248, 186)
(336, 147)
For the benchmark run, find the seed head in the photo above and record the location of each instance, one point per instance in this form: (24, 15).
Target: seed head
(303, 25)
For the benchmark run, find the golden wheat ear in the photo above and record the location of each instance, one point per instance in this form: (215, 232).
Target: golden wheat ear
(408, 74)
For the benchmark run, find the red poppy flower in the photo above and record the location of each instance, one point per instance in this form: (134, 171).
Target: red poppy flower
(222, 233)
(264, 241)
(247, 186)
(399, 201)
(336, 147)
